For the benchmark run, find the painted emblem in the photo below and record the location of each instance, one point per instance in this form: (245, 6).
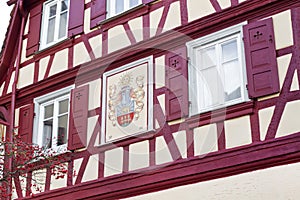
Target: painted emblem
(125, 101)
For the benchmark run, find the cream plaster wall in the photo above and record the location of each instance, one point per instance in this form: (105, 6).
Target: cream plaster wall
(80, 54)
(237, 132)
(117, 38)
(180, 140)
(60, 62)
(265, 116)
(58, 183)
(162, 152)
(1, 88)
(155, 17)
(91, 172)
(205, 139)
(283, 29)
(11, 82)
(277, 183)
(87, 19)
(96, 44)
(173, 18)
(26, 75)
(113, 162)
(198, 9)
(224, 3)
(43, 67)
(136, 26)
(139, 155)
(94, 94)
(160, 71)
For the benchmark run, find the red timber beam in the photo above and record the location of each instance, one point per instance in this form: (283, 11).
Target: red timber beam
(229, 162)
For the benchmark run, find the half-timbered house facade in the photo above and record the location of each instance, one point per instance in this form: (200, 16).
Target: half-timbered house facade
(148, 95)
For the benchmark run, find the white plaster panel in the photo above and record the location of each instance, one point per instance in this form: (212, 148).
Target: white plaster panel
(198, 9)
(60, 62)
(96, 44)
(39, 179)
(1, 88)
(94, 94)
(113, 162)
(224, 3)
(80, 54)
(9, 89)
(87, 19)
(26, 75)
(173, 18)
(162, 152)
(295, 82)
(205, 139)
(139, 155)
(43, 67)
(136, 26)
(289, 122)
(17, 113)
(265, 116)
(283, 64)
(58, 183)
(117, 39)
(283, 29)
(91, 170)
(180, 139)
(160, 72)
(237, 132)
(23, 52)
(76, 167)
(91, 126)
(161, 100)
(155, 17)
(276, 183)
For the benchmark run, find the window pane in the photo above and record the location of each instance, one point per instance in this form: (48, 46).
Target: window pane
(62, 130)
(63, 25)
(63, 106)
(133, 3)
(51, 27)
(53, 10)
(232, 81)
(119, 6)
(64, 5)
(207, 57)
(48, 111)
(229, 51)
(47, 133)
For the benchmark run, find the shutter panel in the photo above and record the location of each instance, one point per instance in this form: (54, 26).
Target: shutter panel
(261, 62)
(177, 84)
(78, 118)
(26, 123)
(98, 12)
(146, 1)
(76, 17)
(34, 30)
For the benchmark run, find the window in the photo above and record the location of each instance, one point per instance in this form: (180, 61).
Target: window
(54, 22)
(52, 119)
(115, 7)
(216, 70)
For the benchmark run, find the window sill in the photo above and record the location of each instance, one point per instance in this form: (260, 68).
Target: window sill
(124, 17)
(221, 114)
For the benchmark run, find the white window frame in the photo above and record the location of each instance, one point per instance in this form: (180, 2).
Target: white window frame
(234, 32)
(39, 104)
(45, 23)
(111, 7)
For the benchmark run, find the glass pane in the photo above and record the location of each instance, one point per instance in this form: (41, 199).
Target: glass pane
(64, 5)
(62, 130)
(119, 6)
(52, 10)
(51, 27)
(232, 81)
(47, 133)
(207, 57)
(48, 111)
(62, 25)
(133, 3)
(229, 51)
(63, 106)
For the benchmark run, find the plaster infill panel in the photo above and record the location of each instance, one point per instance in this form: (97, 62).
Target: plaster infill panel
(58, 183)
(237, 132)
(289, 122)
(96, 44)
(90, 172)
(283, 29)
(117, 39)
(173, 19)
(224, 3)
(180, 140)
(160, 72)
(265, 116)
(43, 67)
(60, 62)
(205, 140)
(162, 153)
(80, 55)
(139, 155)
(199, 9)
(113, 162)
(155, 17)
(87, 20)
(136, 26)
(26, 75)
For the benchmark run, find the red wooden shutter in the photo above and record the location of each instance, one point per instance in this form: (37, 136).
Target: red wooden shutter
(78, 118)
(26, 123)
(177, 84)
(98, 12)
(34, 30)
(261, 62)
(76, 17)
